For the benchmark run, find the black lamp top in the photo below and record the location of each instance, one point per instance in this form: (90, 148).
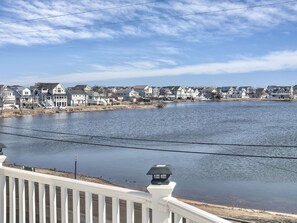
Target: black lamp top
(160, 169)
(1, 147)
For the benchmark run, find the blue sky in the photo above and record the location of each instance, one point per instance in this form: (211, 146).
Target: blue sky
(174, 42)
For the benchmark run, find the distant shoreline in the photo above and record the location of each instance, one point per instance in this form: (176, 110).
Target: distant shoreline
(42, 111)
(95, 108)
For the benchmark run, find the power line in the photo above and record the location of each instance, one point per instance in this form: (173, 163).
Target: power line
(155, 150)
(154, 18)
(267, 165)
(81, 12)
(155, 140)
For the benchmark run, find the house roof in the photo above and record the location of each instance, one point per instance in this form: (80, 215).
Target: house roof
(49, 86)
(124, 91)
(140, 86)
(5, 88)
(244, 87)
(18, 88)
(75, 91)
(92, 93)
(225, 89)
(176, 88)
(81, 86)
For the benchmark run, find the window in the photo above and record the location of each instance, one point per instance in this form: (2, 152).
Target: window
(156, 176)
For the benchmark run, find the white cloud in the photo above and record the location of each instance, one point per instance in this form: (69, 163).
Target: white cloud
(157, 18)
(275, 61)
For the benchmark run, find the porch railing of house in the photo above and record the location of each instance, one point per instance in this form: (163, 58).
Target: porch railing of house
(27, 196)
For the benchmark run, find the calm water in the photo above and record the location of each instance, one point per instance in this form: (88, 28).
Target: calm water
(269, 184)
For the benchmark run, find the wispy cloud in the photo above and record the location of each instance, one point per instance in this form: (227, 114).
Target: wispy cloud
(203, 19)
(274, 61)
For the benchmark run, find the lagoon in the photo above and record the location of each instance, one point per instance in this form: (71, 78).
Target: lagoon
(268, 184)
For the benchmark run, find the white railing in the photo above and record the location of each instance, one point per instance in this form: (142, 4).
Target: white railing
(27, 196)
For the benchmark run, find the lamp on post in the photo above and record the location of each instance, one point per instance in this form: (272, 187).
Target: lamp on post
(160, 174)
(2, 156)
(161, 188)
(1, 147)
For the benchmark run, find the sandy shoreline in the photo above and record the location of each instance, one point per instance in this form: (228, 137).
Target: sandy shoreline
(95, 108)
(234, 214)
(42, 111)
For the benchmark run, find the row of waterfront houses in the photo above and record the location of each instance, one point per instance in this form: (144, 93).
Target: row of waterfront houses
(50, 95)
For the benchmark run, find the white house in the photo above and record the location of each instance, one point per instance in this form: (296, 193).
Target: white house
(7, 97)
(191, 93)
(76, 97)
(23, 96)
(127, 94)
(156, 92)
(166, 93)
(261, 93)
(93, 98)
(144, 90)
(228, 92)
(51, 94)
(281, 92)
(179, 92)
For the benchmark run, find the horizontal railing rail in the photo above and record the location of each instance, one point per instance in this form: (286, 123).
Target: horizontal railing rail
(27, 196)
(190, 213)
(107, 190)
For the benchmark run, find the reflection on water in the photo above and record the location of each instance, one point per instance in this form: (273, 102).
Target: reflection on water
(246, 182)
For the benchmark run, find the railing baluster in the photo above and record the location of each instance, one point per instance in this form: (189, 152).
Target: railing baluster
(130, 211)
(101, 209)
(145, 214)
(22, 210)
(2, 199)
(178, 218)
(12, 202)
(76, 207)
(89, 208)
(42, 212)
(32, 209)
(53, 204)
(115, 210)
(64, 205)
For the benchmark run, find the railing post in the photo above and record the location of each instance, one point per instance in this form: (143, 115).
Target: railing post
(2, 192)
(160, 213)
